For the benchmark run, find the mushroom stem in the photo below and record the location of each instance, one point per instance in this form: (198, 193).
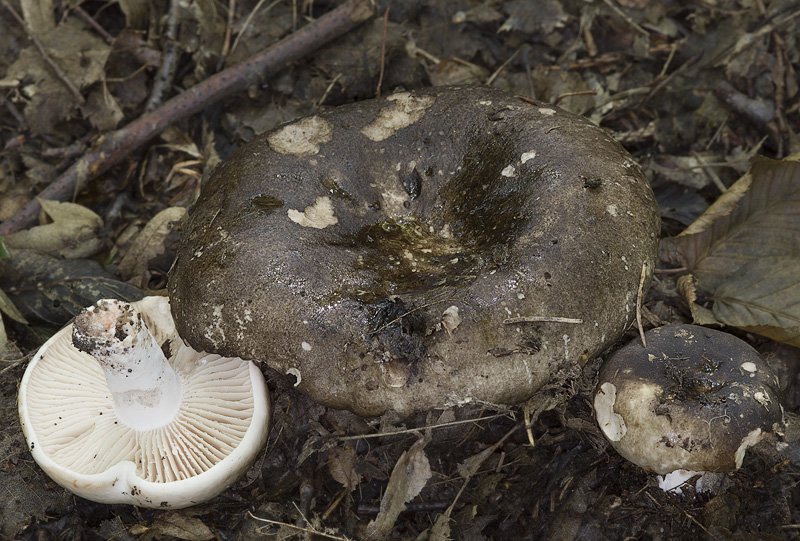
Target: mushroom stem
(146, 389)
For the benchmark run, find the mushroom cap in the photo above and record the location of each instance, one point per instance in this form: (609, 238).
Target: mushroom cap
(380, 251)
(71, 428)
(694, 399)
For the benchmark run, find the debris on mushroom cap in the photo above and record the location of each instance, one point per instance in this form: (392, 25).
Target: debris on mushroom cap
(694, 399)
(136, 427)
(421, 250)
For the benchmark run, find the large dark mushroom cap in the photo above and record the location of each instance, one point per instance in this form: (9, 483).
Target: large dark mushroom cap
(693, 399)
(383, 252)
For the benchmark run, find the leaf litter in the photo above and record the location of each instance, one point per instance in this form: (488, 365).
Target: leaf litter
(649, 72)
(744, 252)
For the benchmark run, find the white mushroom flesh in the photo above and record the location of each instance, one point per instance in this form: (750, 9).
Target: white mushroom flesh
(145, 388)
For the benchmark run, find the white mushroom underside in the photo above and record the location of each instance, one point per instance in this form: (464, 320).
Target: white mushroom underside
(73, 419)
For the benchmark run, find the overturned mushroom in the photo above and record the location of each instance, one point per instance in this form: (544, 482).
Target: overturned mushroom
(430, 248)
(118, 422)
(692, 401)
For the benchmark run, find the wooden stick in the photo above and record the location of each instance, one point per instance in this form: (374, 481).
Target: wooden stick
(113, 147)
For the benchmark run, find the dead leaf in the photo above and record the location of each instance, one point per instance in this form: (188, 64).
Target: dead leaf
(8, 350)
(408, 478)
(51, 290)
(102, 109)
(73, 234)
(79, 53)
(763, 297)
(179, 526)
(722, 207)
(341, 464)
(744, 252)
(39, 15)
(8, 308)
(451, 319)
(765, 222)
(149, 243)
(700, 314)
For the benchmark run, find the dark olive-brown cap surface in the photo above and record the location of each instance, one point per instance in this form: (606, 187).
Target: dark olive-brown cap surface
(428, 248)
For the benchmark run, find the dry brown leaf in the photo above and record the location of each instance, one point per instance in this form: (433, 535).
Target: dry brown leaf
(39, 15)
(8, 308)
(763, 297)
(764, 223)
(102, 109)
(178, 525)
(700, 314)
(745, 253)
(80, 54)
(149, 242)
(408, 478)
(73, 234)
(341, 464)
(723, 206)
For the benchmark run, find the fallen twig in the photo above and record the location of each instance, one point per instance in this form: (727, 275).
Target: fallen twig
(541, 319)
(111, 148)
(642, 278)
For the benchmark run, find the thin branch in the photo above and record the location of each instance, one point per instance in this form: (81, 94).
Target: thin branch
(541, 319)
(383, 50)
(639, 303)
(413, 430)
(306, 530)
(89, 20)
(113, 147)
(169, 59)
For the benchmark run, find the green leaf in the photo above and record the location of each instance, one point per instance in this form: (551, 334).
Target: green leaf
(51, 290)
(762, 221)
(763, 297)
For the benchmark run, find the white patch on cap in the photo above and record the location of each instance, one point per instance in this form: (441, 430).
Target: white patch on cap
(406, 110)
(451, 319)
(749, 367)
(319, 215)
(672, 481)
(611, 423)
(296, 373)
(301, 137)
(612, 209)
(531, 154)
(509, 171)
(547, 112)
(751, 439)
(306, 346)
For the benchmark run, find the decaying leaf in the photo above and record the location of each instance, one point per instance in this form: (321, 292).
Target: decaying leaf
(149, 243)
(764, 223)
(80, 54)
(700, 314)
(722, 207)
(73, 233)
(763, 297)
(51, 290)
(408, 478)
(341, 464)
(744, 252)
(177, 525)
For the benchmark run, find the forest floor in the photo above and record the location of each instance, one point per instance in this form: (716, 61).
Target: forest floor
(693, 90)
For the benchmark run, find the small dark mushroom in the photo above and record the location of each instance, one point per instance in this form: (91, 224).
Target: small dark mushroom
(692, 401)
(415, 235)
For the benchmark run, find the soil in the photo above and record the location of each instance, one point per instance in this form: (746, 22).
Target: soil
(692, 90)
